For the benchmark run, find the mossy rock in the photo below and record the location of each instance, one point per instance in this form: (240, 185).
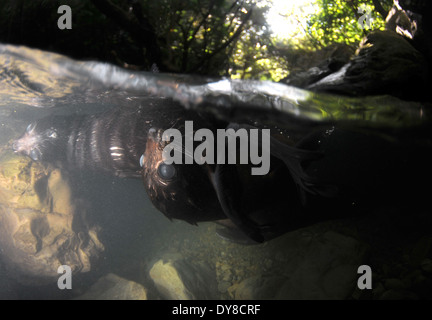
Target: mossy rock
(37, 229)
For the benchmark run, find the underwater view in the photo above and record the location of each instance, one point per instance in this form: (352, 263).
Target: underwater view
(151, 183)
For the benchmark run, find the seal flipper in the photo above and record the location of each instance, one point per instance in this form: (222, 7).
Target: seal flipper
(278, 210)
(235, 235)
(231, 233)
(228, 186)
(294, 158)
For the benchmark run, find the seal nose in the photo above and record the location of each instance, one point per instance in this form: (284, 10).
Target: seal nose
(152, 133)
(16, 146)
(35, 154)
(141, 161)
(155, 134)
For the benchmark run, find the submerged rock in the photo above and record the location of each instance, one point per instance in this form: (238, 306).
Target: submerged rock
(40, 228)
(426, 265)
(258, 288)
(168, 282)
(323, 266)
(398, 294)
(183, 280)
(113, 287)
(223, 286)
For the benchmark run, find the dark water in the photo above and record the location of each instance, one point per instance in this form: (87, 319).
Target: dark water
(316, 262)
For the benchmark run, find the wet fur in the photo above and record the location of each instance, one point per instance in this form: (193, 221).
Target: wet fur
(112, 141)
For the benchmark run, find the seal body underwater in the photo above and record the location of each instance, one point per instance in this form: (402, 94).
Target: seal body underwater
(114, 142)
(320, 177)
(332, 173)
(126, 142)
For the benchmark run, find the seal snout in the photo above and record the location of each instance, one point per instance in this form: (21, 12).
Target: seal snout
(22, 144)
(29, 143)
(25, 145)
(155, 134)
(16, 146)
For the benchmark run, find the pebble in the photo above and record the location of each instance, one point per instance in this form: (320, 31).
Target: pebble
(223, 286)
(268, 263)
(393, 284)
(414, 277)
(394, 294)
(231, 290)
(426, 265)
(227, 276)
(378, 291)
(280, 256)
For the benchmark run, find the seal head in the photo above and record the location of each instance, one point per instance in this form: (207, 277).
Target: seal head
(179, 191)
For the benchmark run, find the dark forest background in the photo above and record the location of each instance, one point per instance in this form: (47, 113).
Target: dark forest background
(207, 37)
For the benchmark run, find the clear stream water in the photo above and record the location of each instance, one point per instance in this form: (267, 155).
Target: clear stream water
(35, 84)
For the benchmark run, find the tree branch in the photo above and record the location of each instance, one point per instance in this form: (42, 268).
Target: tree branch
(356, 14)
(204, 19)
(226, 44)
(378, 6)
(142, 31)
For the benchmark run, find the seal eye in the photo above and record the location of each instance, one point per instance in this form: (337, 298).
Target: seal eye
(30, 127)
(51, 133)
(166, 171)
(141, 161)
(35, 154)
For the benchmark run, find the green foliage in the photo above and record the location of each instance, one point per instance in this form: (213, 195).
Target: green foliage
(209, 37)
(337, 22)
(34, 24)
